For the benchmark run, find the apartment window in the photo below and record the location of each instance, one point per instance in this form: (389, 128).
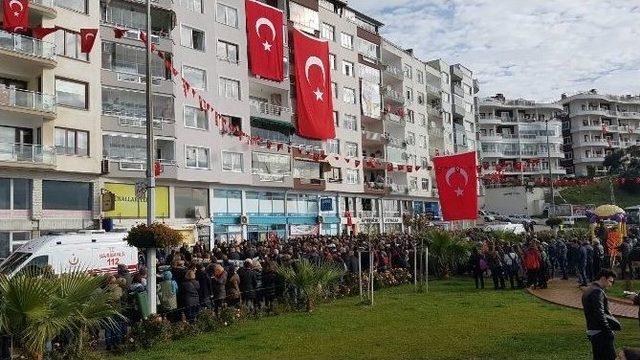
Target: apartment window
(425, 184)
(68, 44)
(229, 88)
(351, 176)
(332, 62)
(413, 183)
(192, 38)
(420, 76)
(270, 164)
(197, 157)
(195, 118)
(334, 90)
(423, 141)
(333, 146)
(72, 93)
(335, 175)
(446, 97)
(227, 51)
(411, 138)
(336, 119)
(444, 78)
(347, 68)
(407, 70)
(71, 142)
(227, 15)
(410, 117)
(420, 98)
(368, 49)
(308, 19)
(346, 40)
(232, 161)
(75, 5)
(192, 5)
(327, 31)
(408, 93)
(227, 202)
(188, 199)
(15, 194)
(424, 162)
(66, 195)
(351, 149)
(349, 95)
(423, 119)
(350, 122)
(196, 77)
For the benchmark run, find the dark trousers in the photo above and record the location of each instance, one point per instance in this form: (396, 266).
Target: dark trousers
(478, 276)
(624, 265)
(596, 267)
(602, 346)
(582, 274)
(532, 277)
(498, 278)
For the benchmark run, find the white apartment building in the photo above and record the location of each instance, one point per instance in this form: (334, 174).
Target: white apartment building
(513, 137)
(72, 126)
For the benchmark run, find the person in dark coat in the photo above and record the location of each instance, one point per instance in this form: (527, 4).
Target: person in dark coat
(189, 293)
(600, 323)
(248, 283)
(219, 282)
(478, 267)
(269, 283)
(205, 292)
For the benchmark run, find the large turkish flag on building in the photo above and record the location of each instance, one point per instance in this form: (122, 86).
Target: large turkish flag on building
(265, 40)
(313, 87)
(457, 179)
(16, 15)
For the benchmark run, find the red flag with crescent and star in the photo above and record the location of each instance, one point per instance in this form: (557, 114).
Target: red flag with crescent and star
(87, 38)
(313, 87)
(457, 179)
(265, 40)
(16, 15)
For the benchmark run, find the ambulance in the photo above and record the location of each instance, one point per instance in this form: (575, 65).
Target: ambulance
(93, 250)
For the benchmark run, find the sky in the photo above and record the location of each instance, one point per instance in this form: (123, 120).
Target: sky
(532, 49)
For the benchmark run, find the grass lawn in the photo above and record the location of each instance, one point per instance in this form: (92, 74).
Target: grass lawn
(452, 321)
(598, 194)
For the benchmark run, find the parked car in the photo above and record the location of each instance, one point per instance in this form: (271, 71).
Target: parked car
(504, 218)
(486, 216)
(515, 228)
(521, 219)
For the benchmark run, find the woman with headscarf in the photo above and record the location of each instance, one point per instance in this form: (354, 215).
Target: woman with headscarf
(168, 294)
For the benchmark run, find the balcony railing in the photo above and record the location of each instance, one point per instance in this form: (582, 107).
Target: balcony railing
(25, 99)
(134, 117)
(27, 153)
(269, 109)
(393, 95)
(434, 89)
(27, 45)
(393, 71)
(373, 136)
(45, 3)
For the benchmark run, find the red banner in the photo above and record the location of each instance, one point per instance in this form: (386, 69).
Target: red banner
(265, 40)
(41, 32)
(457, 180)
(313, 87)
(87, 38)
(16, 15)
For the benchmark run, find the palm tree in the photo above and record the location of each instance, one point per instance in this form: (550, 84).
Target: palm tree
(446, 251)
(311, 279)
(35, 309)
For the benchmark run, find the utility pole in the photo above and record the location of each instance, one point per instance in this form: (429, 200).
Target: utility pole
(151, 180)
(553, 195)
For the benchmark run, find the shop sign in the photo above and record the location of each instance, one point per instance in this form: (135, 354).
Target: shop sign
(127, 204)
(303, 230)
(370, 220)
(393, 220)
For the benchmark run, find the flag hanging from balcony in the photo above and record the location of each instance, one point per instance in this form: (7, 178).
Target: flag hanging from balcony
(87, 38)
(313, 87)
(16, 15)
(265, 40)
(41, 32)
(457, 186)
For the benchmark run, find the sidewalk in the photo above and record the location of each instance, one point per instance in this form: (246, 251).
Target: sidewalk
(567, 293)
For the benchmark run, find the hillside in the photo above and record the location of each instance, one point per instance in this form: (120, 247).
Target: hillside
(598, 194)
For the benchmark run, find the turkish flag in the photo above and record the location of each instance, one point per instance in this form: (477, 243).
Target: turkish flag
(16, 15)
(457, 186)
(87, 38)
(265, 40)
(41, 32)
(313, 87)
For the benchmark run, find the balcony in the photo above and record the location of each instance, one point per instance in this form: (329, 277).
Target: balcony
(392, 95)
(392, 118)
(373, 137)
(28, 102)
(595, 158)
(589, 127)
(457, 90)
(373, 188)
(29, 54)
(592, 142)
(269, 111)
(434, 111)
(27, 155)
(394, 71)
(433, 89)
(45, 8)
(309, 184)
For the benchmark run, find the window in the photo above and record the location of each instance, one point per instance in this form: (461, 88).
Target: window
(192, 5)
(408, 72)
(227, 51)
(420, 98)
(66, 195)
(270, 164)
(332, 62)
(306, 170)
(350, 122)
(195, 118)
(423, 141)
(196, 77)
(335, 175)
(351, 176)
(327, 5)
(351, 149)
(410, 117)
(411, 138)
(68, 44)
(346, 40)
(232, 161)
(408, 93)
(307, 19)
(334, 90)
(368, 49)
(349, 95)
(420, 76)
(71, 142)
(333, 146)
(327, 31)
(197, 157)
(347, 68)
(72, 93)
(188, 199)
(423, 119)
(227, 202)
(127, 59)
(229, 88)
(413, 183)
(227, 15)
(192, 38)
(424, 162)
(15, 194)
(75, 5)
(336, 119)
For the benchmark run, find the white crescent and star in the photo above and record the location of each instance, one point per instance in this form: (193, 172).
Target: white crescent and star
(13, 2)
(315, 61)
(89, 35)
(459, 191)
(266, 22)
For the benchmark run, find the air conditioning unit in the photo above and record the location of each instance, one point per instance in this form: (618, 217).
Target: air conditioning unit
(320, 219)
(244, 220)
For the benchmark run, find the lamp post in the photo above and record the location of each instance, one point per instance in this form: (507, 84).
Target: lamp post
(553, 195)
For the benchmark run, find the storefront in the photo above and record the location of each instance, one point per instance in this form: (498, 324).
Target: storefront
(128, 206)
(393, 225)
(370, 226)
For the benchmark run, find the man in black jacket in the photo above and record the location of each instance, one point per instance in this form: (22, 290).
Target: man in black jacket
(248, 283)
(600, 323)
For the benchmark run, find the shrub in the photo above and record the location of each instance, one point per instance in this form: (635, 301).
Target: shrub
(553, 222)
(207, 321)
(312, 280)
(155, 235)
(149, 332)
(183, 329)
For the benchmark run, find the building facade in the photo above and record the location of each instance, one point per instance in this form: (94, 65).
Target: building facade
(73, 124)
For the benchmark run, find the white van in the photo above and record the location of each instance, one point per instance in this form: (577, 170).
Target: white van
(86, 251)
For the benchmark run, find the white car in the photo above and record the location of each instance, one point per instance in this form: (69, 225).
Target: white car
(486, 216)
(514, 228)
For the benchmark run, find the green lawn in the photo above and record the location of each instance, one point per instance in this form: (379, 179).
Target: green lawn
(598, 194)
(452, 321)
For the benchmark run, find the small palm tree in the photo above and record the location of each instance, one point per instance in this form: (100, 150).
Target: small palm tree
(447, 251)
(311, 279)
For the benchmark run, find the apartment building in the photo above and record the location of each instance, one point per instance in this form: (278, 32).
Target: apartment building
(73, 125)
(597, 124)
(513, 137)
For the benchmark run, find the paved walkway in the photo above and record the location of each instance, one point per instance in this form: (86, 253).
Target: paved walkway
(567, 293)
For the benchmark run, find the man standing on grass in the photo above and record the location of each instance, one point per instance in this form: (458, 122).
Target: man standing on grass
(600, 323)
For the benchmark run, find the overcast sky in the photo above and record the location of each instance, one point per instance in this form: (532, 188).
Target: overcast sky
(534, 49)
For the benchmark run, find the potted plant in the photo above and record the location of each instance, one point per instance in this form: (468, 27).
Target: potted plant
(153, 236)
